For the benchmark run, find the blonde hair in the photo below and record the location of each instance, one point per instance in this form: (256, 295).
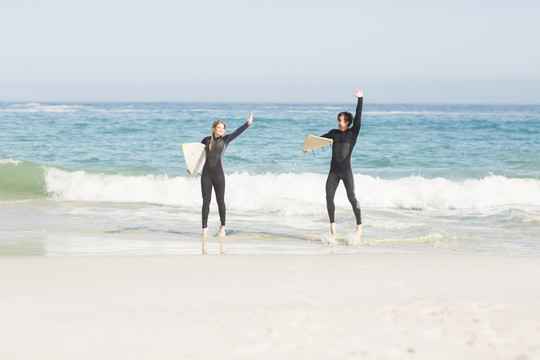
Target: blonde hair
(214, 125)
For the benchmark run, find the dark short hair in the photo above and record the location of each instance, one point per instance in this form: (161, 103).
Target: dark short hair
(348, 116)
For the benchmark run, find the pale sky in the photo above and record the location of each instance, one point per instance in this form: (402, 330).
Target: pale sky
(461, 51)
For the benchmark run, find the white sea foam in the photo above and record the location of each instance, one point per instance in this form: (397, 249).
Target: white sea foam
(10, 161)
(328, 239)
(80, 185)
(297, 194)
(395, 225)
(416, 192)
(37, 107)
(426, 239)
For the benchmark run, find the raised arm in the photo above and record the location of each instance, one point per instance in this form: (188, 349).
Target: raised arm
(357, 122)
(240, 130)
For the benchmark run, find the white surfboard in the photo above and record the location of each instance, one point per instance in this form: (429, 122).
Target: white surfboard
(194, 156)
(314, 142)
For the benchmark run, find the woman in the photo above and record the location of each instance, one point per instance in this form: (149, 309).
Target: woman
(212, 173)
(344, 138)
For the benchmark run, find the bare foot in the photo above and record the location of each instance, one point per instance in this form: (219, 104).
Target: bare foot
(333, 229)
(328, 239)
(221, 231)
(359, 230)
(353, 239)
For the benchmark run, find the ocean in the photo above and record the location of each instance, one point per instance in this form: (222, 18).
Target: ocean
(87, 179)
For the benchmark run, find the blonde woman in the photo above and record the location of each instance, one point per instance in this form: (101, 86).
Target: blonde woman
(212, 173)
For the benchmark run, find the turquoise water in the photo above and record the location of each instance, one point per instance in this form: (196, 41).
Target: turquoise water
(111, 176)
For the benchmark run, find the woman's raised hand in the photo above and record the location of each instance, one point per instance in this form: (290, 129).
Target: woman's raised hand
(250, 118)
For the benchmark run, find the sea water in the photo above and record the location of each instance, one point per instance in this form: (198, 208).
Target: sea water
(109, 178)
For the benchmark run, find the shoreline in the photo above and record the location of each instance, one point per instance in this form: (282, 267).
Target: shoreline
(387, 306)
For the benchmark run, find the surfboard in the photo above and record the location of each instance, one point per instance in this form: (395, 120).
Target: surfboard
(314, 142)
(194, 156)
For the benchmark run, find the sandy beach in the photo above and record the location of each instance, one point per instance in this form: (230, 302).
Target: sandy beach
(418, 306)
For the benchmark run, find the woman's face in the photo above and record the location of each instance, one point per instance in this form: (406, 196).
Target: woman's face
(342, 123)
(219, 130)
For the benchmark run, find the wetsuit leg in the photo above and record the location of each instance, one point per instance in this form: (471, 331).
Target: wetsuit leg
(332, 183)
(348, 181)
(206, 189)
(219, 189)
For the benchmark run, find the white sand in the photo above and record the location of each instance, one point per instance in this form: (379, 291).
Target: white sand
(271, 307)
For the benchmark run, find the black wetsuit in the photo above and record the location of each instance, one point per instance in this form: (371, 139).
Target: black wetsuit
(213, 175)
(340, 166)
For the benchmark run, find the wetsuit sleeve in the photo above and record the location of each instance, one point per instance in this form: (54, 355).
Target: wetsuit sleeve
(231, 137)
(205, 140)
(358, 116)
(328, 135)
